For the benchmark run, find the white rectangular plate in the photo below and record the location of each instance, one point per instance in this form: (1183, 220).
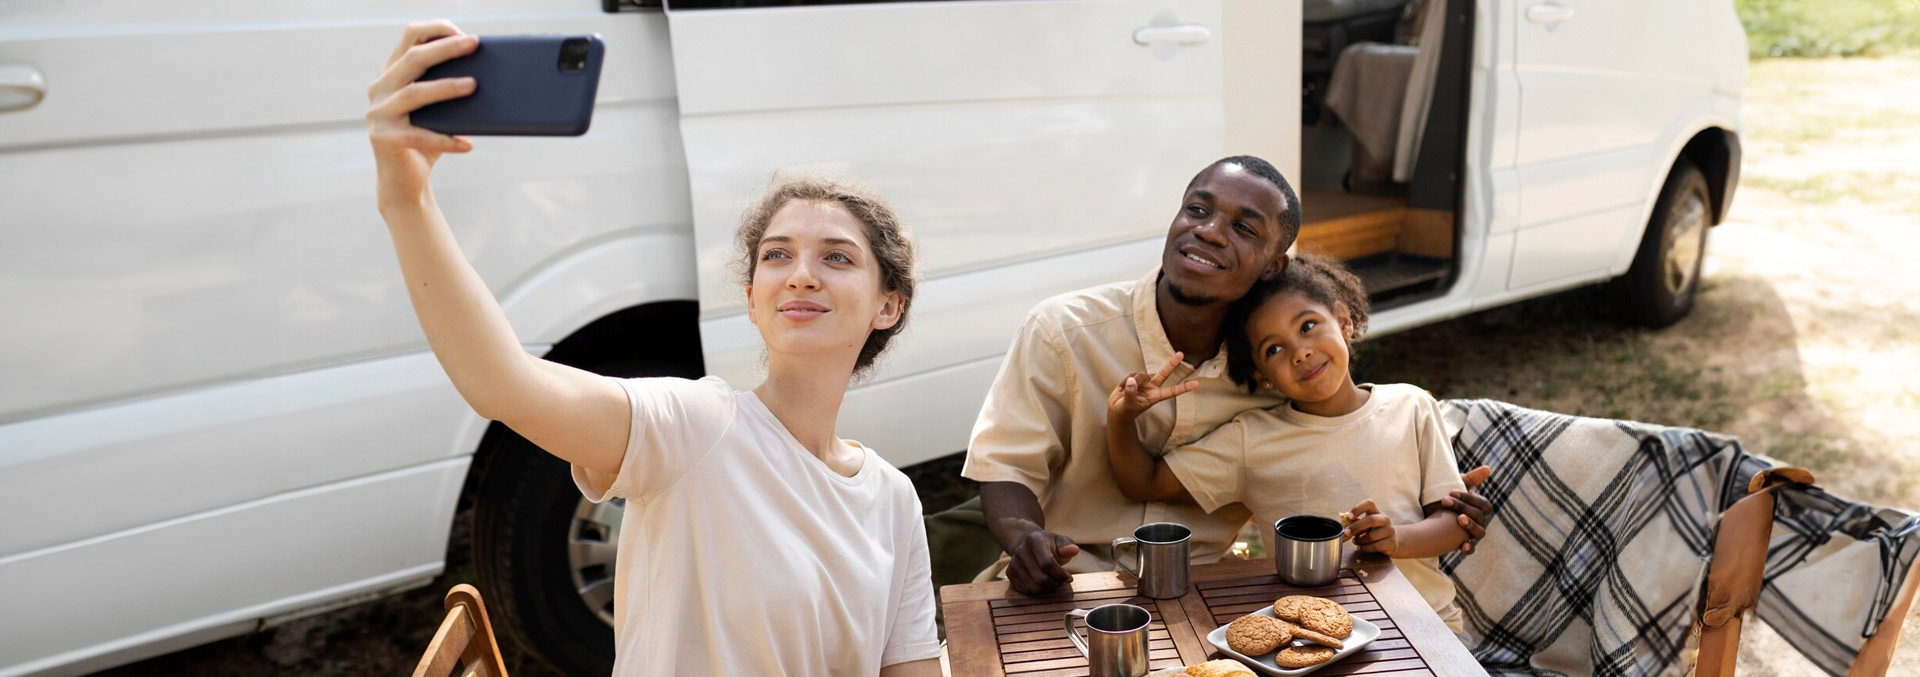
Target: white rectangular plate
(1364, 632)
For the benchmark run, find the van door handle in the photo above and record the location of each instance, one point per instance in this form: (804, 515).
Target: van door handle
(1547, 14)
(1183, 34)
(21, 87)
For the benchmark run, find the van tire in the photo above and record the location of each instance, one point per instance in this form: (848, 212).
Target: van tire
(526, 501)
(1660, 287)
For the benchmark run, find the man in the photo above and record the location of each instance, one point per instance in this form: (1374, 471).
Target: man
(1039, 447)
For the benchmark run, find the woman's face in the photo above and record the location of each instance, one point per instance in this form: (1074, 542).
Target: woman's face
(816, 286)
(1299, 347)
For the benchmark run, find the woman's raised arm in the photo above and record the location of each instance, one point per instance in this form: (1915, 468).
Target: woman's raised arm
(577, 415)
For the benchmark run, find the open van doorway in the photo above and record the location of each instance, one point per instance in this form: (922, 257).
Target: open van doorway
(1384, 100)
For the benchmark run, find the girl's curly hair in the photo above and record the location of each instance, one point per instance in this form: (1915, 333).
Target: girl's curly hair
(1320, 278)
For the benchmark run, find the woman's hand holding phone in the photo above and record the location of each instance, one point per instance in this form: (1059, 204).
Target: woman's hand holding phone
(578, 416)
(403, 153)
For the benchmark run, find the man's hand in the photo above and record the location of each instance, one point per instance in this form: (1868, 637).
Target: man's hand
(1037, 556)
(1371, 530)
(1039, 562)
(1474, 509)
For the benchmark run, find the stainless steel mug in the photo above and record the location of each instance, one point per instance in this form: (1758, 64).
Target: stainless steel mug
(1116, 641)
(1306, 549)
(1162, 554)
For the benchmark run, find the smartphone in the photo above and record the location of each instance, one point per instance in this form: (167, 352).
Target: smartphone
(525, 85)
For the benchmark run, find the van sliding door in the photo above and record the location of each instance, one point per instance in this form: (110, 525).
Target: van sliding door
(1032, 147)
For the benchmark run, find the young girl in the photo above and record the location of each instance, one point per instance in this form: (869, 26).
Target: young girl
(757, 542)
(1379, 449)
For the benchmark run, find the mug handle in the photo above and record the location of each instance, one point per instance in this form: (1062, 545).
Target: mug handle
(1122, 562)
(1079, 641)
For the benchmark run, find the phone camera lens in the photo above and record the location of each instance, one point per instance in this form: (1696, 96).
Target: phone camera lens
(573, 55)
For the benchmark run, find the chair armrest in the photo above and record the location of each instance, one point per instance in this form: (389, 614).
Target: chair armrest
(1734, 573)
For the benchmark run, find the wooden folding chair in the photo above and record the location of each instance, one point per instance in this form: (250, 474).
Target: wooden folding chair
(465, 640)
(1734, 580)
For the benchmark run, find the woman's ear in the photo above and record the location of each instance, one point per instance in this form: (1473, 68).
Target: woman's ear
(750, 317)
(1277, 266)
(892, 307)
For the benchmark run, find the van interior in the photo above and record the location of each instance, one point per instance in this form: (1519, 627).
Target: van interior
(1383, 126)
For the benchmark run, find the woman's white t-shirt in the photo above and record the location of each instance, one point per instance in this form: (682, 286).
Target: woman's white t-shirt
(741, 553)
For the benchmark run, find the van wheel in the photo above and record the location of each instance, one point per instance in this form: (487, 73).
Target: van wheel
(1659, 289)
(544, 554)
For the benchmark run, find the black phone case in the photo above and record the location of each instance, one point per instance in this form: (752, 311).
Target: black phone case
(520, 89)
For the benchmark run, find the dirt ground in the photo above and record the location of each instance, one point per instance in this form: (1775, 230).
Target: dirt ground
(1805, 344)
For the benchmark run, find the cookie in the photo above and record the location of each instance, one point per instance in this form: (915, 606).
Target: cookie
(1288, 608)
(1254, 634)
(1325, 616)
(1220, 668)
(1297, 632)
(1302, 656)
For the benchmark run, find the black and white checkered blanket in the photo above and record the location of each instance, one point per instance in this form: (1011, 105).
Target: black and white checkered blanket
(1600, 536)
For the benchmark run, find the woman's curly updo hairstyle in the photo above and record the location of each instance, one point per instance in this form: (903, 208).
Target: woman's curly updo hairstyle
(886, 237)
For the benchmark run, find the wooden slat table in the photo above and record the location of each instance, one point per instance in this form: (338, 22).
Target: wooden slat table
(992, 630)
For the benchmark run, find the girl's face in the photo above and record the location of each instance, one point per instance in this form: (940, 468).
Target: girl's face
(1300, 348)
(816, 286)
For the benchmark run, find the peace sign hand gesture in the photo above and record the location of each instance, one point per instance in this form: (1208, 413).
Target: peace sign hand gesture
(1138, 392)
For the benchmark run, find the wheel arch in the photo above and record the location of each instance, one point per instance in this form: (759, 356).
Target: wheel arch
(1715, 151)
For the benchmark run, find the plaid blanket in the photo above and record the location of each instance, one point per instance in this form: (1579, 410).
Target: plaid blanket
(1601, 533)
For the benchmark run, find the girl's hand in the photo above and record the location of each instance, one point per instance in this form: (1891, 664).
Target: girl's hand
(1139, 392)
(404, 153)
(1372, 531)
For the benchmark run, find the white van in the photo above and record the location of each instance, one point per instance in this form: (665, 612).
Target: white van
(217, 411)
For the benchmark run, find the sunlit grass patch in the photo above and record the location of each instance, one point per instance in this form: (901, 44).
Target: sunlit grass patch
(1829, 27)
(1895, 189)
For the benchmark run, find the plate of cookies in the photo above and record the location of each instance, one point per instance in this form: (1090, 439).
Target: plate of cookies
(1297, 635)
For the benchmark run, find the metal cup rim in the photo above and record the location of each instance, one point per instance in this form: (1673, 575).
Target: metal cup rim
(1138, 538)
(1147, 619)
(1317, 518)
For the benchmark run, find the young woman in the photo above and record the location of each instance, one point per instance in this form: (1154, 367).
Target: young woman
(757, 541)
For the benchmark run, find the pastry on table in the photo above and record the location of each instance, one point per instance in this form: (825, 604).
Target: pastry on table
(1254, 634)
(1220, 668)
(1297, 632)
(1302, 656)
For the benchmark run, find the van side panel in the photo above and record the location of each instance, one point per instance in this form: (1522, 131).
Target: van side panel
(231, 233)
(178, 577)
(218, 406)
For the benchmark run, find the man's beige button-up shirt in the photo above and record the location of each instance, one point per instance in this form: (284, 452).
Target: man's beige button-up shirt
(1044, 423)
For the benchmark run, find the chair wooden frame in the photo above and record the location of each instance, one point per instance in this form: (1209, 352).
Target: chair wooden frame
(465, 640)
(1734, 581)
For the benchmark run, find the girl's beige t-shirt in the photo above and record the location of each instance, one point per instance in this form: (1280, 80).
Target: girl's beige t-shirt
(743, 554)
(1280, 462)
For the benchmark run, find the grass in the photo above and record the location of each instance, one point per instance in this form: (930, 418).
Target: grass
(1826, 188)
(1819, 28)
(1555, 353)
(1798, 133)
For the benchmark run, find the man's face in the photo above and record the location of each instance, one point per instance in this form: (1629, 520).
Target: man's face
(1226, 237)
